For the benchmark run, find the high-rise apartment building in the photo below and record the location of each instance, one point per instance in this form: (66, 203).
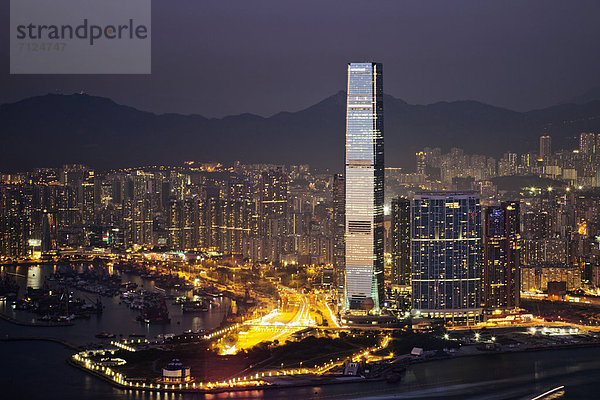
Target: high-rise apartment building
(364, 187)
(587, 143)
(545, 147)
(421, 162)
(400, 249)
(273, 203)
(446, 254)
(185, 218)
(339, 224)
(139, 221)
(501, 261)
(15, 220)
(88, 198)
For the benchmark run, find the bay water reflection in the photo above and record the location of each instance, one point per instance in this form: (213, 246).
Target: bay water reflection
(117, 318)
(37, 370)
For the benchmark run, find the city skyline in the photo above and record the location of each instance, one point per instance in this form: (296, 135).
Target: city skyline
(280, 229)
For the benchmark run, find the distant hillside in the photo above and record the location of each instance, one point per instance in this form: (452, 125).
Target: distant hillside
(517, 183)
(591, 95)
(55, 129)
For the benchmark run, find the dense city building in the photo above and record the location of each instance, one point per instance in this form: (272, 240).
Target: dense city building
(282, 215)
(251, 212)
(16, 204)
(273, 203)
(536, 277)
(587, 143)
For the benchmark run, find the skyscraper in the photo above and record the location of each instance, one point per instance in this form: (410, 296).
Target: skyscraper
(501, 241)
(364, 187)
(446, 252)
(400, 241)
(273, 203)
(545, 147)
(15, 219)
(587, 143)
(421, 162)
(87, 198)
(339, 223)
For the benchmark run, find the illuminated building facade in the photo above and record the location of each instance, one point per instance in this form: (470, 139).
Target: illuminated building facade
(15, 220)
(139, 218)
(501, 241)
(339, 223)
(400, 248)
(545, 148)
(185, 217)
(273, 203)
(536, 277)
(446, 254)
(587, 143)
(364, 188)
(88, 198)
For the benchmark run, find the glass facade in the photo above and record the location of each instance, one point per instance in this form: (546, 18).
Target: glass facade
(400, 248)
(339, 230)
(501, 256)
(364, 232)
(446, 254)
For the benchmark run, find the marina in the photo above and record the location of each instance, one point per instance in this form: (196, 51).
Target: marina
(116, 318)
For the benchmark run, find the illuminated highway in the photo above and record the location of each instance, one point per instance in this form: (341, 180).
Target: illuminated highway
(276, 325)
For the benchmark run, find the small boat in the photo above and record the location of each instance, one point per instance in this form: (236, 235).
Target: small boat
(194, 306)
(105, 335)
(66, 318)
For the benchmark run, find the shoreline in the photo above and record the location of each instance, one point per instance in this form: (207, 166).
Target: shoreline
(504, 352)
(191, 390)
(316, 381)
(34, 324)
(320, 381)
(41, 339)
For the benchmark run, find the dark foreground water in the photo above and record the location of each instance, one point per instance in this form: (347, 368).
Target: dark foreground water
(37, 370)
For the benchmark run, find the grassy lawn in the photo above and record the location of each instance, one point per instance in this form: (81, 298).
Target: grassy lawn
(404, 342)
(205, 365)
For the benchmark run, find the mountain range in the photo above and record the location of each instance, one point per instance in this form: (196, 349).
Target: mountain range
(55, 129)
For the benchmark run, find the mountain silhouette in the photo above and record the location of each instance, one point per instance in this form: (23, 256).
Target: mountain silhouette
(54, 129)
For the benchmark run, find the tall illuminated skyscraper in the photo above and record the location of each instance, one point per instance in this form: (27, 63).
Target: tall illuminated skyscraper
(364, 187)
